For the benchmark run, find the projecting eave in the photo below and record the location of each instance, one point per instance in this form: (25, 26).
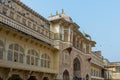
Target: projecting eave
(86, 39)
(63, 21)
(54, 19)
(77, 26)
(93, 43)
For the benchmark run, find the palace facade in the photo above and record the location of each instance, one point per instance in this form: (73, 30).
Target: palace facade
(97, 66)
(74, 48)
(35, 48)
(26, 44)
(113, 70)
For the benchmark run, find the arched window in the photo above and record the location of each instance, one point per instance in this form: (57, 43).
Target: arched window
(32, 57)
(45, 61)
(1, 49)
(76, 68)
(76, 64)
(15, 53)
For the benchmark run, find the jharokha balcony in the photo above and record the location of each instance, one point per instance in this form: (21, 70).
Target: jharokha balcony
(26, 21)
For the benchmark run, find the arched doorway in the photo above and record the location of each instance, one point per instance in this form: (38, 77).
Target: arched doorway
(76, 68)
(15, 77)
(65, 75)
(32, 78)
(87, 77)
(45, 78)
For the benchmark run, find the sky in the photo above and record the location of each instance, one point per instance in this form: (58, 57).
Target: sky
(98, 18)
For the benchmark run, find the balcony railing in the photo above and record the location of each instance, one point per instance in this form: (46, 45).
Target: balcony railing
(97, 60)
(42, 34)
(9, 64)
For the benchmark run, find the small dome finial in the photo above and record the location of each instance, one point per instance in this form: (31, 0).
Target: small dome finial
(56, 12)
(62, 11)
(50, 14)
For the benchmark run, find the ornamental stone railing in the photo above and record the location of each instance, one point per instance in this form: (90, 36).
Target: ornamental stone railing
(42, 34)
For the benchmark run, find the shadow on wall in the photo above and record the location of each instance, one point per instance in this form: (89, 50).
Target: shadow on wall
(76, 78)
(15, 77)
(1, 78)
(32, 78)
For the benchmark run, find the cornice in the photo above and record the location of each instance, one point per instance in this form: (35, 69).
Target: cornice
(31, 10)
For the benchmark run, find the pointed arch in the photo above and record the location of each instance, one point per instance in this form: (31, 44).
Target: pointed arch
(87, 77)
(66, 75)
(76, 68)
(76, 64)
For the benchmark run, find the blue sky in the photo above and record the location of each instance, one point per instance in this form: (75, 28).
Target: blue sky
(99, 18)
